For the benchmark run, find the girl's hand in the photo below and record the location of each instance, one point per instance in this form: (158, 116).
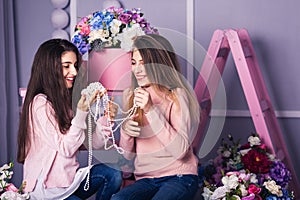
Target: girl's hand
(131, 128)
(113, 108)
(142, 99)
(84, 103)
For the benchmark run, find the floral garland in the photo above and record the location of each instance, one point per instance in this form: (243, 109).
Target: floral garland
(246, 172)
(111, 27)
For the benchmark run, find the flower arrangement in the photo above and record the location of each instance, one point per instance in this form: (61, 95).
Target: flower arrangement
(8, 191)
(111, 27)
(246, 172)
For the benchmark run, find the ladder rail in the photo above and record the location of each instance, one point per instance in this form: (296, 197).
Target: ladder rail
(208, 82)
(274, 131)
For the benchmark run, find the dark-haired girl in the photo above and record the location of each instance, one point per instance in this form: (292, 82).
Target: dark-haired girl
(50, 134)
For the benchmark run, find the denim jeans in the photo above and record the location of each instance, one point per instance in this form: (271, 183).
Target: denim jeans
(180, 187)
(104, 180)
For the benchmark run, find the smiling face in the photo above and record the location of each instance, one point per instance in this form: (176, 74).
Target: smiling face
(138, 68)
(69, 65)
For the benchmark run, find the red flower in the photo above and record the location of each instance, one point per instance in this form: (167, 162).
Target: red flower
(256, 162)
(245, 146)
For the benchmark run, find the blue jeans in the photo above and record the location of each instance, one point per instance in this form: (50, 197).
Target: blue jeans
(104, 180)
(180, 187)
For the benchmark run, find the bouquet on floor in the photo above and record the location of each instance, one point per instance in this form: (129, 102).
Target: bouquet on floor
(246, 172)
(111, 27)
(8, 191)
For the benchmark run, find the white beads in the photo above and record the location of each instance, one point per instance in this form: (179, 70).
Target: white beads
(107, 131)
(90, 155)
(92, 87)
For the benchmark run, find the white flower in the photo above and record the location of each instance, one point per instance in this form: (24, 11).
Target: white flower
(3, 184)
(253, 140)
(231, 181)
(6, 175)
(127, 36)
(10, 195)
(253, 178)
(243, 190)
(207, 193)
(236, 197)
(220, 192)
(244, 151)
(115, 26)
(273, 188)
(5, 167)
(98, 34)
(271, 157)
(226, 154)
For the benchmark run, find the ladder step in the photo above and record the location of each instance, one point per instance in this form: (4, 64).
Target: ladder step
(223, 52)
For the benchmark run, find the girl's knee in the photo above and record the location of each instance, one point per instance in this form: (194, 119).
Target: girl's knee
(115, 179)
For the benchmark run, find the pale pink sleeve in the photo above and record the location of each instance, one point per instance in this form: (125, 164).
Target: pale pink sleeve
(101, 128)
(127, 143)
(173, 134)
(65, 144)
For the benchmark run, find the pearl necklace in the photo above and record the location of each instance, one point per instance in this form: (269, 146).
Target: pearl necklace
(106, 131)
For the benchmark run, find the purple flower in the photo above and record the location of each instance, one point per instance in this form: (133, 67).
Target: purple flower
(125, 18)
(280, 173)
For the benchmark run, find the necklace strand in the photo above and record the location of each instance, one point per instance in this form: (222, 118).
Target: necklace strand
(109, 126)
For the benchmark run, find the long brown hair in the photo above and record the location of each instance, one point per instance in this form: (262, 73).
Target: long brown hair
(47, 78)
(163, 72)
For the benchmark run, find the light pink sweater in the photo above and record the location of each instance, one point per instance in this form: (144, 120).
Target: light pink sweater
(52, 154)
(164, 146)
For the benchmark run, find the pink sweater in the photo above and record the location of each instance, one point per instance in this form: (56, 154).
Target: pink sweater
(163, 147)
(52, 154)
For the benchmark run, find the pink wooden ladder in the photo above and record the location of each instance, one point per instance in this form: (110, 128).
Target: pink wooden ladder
(259, 103)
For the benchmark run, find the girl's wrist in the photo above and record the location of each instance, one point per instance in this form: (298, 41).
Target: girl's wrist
(147, 110)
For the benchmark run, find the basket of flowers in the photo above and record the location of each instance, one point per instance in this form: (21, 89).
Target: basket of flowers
(111, 27)
(108, 36)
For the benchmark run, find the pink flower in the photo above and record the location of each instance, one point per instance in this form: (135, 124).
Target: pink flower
(253, 189)
(232, 173)
(244, 177)
(263, 146)
(249, 197)
(84, 29)
(11, 187)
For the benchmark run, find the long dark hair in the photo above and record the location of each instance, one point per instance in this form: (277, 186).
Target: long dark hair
(47, 78)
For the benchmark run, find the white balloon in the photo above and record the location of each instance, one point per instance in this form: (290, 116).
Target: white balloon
(110, 3)
(59, 33)
(60, 3)
(59, 19)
